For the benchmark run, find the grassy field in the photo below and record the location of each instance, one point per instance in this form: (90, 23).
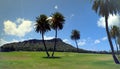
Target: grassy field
(36, 60)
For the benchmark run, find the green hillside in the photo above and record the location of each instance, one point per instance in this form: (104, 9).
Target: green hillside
(37, 45)
(36, 60)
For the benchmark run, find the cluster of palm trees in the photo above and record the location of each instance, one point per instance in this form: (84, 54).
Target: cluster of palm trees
(45, 24)
(102, 7)
(105, 8)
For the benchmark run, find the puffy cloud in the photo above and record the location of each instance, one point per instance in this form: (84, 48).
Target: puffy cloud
(101, 22)
(97, 41)
(11, 28)
(112, 20)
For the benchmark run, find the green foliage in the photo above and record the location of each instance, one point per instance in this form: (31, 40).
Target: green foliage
(75, 35)
(114, 32)
(36, 60)
(42, 24)
(106, 7)
(57, 21)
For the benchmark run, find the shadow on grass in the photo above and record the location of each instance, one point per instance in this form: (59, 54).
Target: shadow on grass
(52, 57)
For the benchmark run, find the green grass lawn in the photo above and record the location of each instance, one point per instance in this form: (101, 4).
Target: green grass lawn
(36, 60)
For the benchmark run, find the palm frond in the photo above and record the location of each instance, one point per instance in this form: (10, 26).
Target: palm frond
(106, 7)
(75, 35)
(42, 24)
(58, 21)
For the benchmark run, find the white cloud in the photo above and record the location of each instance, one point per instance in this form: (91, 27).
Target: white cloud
(82, 42)
(66, 41)
(112, 20)
(97, 41)
(101, 22)
(11, 28)
(48, 37)
(56, 7)
(104, 38)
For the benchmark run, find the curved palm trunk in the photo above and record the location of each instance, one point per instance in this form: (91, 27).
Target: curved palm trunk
(77, 45)
(55, 43)
(110, 42)
(45, 46)
(116, 46)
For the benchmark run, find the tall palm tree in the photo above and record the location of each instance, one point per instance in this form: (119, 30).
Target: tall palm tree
(104, 8)
(57, 24)
(114, 33)
(75, 35)
(42, 26)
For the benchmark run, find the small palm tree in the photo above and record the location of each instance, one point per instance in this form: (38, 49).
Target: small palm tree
(57, 24)
(104, 8)
(75, 35)
(114, 33)
(42, 26)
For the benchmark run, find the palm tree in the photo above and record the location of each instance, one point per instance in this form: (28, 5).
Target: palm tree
(75, 35)
(104, 8)
(57, 24)
(42, 26)
(114, 33)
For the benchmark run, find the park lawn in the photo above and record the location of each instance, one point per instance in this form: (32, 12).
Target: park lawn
(63, 60)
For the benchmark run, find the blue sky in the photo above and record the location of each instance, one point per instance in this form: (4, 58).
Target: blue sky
(17, 19)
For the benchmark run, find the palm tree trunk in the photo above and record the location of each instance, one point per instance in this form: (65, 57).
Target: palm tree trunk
(116, 46)
(110, 42)
(45, 46)
(77, 45)
(55, 42)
